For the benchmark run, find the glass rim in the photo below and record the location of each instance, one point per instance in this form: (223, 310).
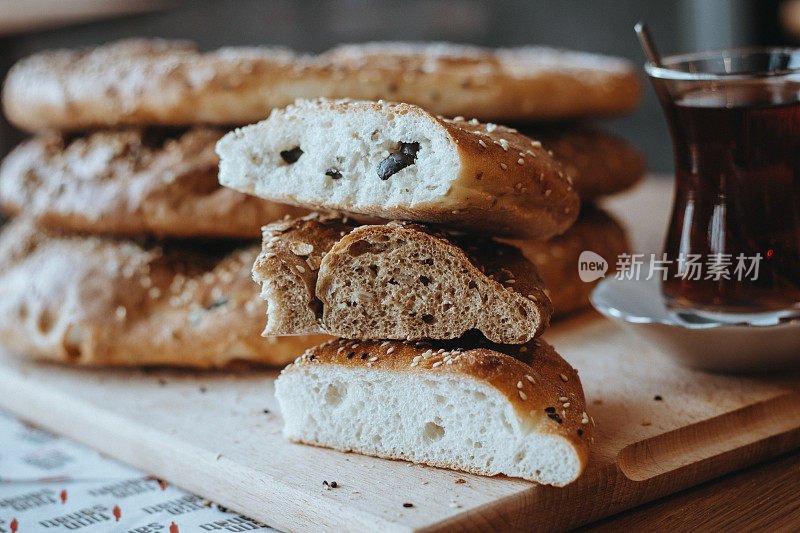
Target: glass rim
(666, 72)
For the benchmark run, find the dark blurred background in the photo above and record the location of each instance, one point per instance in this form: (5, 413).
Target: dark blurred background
(27, 26)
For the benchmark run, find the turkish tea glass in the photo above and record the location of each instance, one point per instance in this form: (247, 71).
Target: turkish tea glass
(732, 250)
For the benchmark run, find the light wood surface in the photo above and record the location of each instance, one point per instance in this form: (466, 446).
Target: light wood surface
(208, 432)
(760, 498)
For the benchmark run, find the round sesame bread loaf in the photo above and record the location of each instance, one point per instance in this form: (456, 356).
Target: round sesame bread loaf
(465, 404)
(398, 161)
(395, 281)
(88, 300)
(130, 182)
(557, 259)
(156, 82)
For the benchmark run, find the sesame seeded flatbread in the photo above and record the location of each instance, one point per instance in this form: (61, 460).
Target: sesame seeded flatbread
(138, 82)
(87, 300)
(130, 182)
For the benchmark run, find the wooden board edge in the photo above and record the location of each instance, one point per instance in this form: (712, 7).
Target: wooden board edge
(684, 447)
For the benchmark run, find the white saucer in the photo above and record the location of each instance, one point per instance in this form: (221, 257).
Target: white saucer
(638, 306)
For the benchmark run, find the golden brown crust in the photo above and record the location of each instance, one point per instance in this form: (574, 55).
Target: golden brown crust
(100, 301)
(526, 83)
(151, 81)
(542, 387)
(599, 163)
(131, 182)
(530, 193)
(557, 259)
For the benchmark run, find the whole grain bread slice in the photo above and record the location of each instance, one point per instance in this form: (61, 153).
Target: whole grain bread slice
(326, 274)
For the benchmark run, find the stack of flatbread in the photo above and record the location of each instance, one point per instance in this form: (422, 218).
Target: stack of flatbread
(439, 247)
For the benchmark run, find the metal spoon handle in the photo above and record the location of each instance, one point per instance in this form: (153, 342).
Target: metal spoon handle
(647, 42)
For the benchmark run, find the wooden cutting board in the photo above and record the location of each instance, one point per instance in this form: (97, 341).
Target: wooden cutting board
(209, 432)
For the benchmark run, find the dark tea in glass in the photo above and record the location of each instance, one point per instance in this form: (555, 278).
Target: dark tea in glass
(733, 244)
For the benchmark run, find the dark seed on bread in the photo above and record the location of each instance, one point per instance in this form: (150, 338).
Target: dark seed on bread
(291, 156)
(333, 173)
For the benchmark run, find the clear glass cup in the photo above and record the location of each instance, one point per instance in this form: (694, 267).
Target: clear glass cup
(733, 244)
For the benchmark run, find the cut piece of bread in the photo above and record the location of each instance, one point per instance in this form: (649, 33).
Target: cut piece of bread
(402, 281)
(157, 82)
(131, 182)
(395, 281)
(464, 404)
(398, 161)
(557, 259)
(87, 300)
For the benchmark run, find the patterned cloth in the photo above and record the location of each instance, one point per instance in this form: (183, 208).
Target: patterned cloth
(49, 483)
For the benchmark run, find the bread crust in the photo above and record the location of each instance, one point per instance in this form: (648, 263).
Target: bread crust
(153, 81)
(86, 300)
(136, 82)
(543, 389)
(506, 183)
(557, 259)
(599, 163)
(526, 83)
(301, 259)
(130, 182)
